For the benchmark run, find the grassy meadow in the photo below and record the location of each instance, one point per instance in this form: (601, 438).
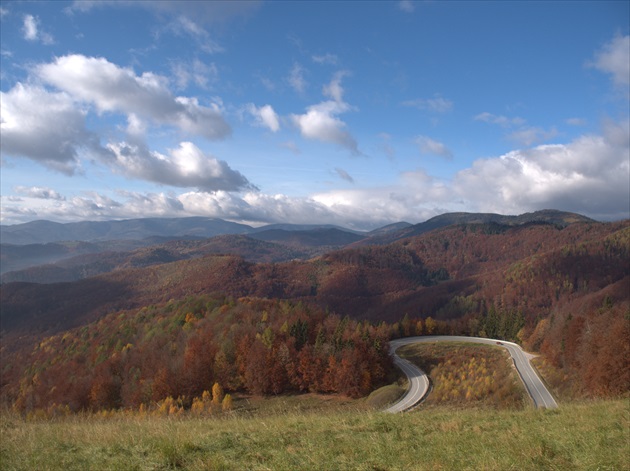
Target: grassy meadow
(581, 436)
(498, 431)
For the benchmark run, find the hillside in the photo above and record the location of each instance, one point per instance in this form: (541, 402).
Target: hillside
(549, 216)
(561, 291)
(84, 266)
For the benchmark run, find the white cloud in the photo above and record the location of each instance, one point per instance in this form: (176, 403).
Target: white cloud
(334, 89)
(588, 175)
(576, 121)
(186, 166)
(528, 136)
(502, 121)
(3, 13)
(116, 89)
(136, 128)
(203, 12)
(30, 28)
(614, 59)
(265, 116)
(432, 147)
(320, 121)
(39, 192)
(406, 6)
(45, 127)
(197, 72)
(437, 104)
(329, 59)
(32, 31)
(519, 132)
(296, 78)
(184, 26)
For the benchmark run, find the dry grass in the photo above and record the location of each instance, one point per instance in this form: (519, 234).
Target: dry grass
(585, 436)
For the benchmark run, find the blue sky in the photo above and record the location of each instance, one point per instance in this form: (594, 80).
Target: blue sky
(352, 113)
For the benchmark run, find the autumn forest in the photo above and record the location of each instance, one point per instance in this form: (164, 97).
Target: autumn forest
(136, 337)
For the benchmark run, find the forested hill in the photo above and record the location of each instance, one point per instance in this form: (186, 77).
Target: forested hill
(563, 291)
(546, 216)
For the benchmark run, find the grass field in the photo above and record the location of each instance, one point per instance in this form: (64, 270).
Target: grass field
(586, 436)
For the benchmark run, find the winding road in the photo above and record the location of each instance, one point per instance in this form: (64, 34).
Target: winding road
(419, 382)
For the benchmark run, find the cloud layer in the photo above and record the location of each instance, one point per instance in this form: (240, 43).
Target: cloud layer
(588, 175)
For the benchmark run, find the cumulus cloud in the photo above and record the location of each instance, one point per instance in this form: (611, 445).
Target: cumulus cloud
(33, 32)
(430, 146)
(264, 116)
(614, 59)
(39, 192)
(186, 166)
(296, 78)
(45, 127)
(437, 104)
(116, 89)
(588, 175)
(320, 122)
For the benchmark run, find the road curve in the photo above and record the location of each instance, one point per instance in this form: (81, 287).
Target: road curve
(419, 383)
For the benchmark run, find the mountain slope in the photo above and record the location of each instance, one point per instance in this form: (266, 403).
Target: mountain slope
(561, 291)
(84, 266)
(559, 218)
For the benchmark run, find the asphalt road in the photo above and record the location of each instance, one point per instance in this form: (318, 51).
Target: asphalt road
(419, 382)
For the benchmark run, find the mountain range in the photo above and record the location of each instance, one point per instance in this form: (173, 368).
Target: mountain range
(71, 251)
(557, 283)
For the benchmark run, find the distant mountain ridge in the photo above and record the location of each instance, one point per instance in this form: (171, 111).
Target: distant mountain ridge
(545, 216)
(68, 245)
(42, 232)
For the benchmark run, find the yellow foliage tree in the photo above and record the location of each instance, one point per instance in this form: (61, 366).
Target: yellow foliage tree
(226, 405)
(217, 394)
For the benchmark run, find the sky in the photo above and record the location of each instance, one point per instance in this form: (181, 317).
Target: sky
(358, 114)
